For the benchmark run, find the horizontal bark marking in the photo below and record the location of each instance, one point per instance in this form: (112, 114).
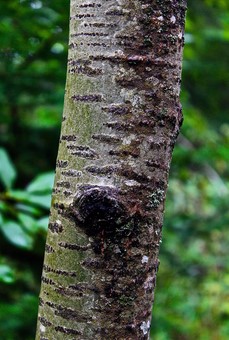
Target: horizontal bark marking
(44, 321)
(101, 170)
(140, 126)
(81, 16)
(141, 122)
(126, 36)
(55, 227)
(100, 24)
(133, 175)
(156, 164)
(82, 287)
(92, 5)
(112, 139)
(71, 173)
(48, 269)
(120, 126)
(48, 281)
(81, 148)
(63, 184)
(61, 164)
(69, 138)
(82, 151)
(94, 44)
(117, 109)
(72, 246)
(124, 153)
(49, 249)
(88, 71)
(68, 292)
(89, 34)
(71, 314)
(117, 11)
(87, 98)
(65, 330)
(134, 59)
(84, 154)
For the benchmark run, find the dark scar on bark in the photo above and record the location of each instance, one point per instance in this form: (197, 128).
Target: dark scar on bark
(97, 209)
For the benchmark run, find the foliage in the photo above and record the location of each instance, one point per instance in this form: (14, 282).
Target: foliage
(192, 288)
(23, 227)
(192, 295)
(33, 53)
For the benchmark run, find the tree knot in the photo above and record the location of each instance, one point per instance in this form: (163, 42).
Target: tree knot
(98, 208)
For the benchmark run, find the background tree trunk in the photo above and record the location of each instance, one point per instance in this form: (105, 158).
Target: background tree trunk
(121, 119)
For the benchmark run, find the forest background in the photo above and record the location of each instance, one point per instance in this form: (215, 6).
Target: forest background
(192, 300)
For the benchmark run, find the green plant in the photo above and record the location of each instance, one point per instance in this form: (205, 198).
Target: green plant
(23, 226)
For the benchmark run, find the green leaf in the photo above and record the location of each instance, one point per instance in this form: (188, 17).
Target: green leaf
(42, 200)
(16, 235)
(43, 223)
(6, 274)
(19, 195)
(7, 170)
(42, 183)
(5, 209)
(27, 209)
(1, 219)
(28, 222)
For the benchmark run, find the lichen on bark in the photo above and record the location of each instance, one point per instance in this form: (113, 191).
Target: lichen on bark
(121, 118)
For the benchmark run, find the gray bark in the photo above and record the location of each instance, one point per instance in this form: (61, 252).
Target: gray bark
(121, 119)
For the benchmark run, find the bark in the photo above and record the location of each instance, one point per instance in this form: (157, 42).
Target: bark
(121, 119)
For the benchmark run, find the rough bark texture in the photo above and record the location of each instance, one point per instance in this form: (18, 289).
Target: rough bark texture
(121, 119)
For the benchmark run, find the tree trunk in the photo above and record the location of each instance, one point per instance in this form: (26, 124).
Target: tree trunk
(121, 119)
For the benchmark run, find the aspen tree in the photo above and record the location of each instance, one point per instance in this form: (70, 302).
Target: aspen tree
(121, 118)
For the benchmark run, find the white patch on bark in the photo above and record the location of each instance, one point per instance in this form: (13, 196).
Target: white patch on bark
(103, 182)
(137, 101)
(42, 328)
(131, 183)
(160, 18)
(145, 259)
(128, 140)
(145, 327)
(173, 19)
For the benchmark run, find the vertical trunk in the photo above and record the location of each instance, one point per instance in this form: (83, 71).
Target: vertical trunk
(121, 119)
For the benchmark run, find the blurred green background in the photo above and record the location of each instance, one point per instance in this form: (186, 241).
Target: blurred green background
(192, 295)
